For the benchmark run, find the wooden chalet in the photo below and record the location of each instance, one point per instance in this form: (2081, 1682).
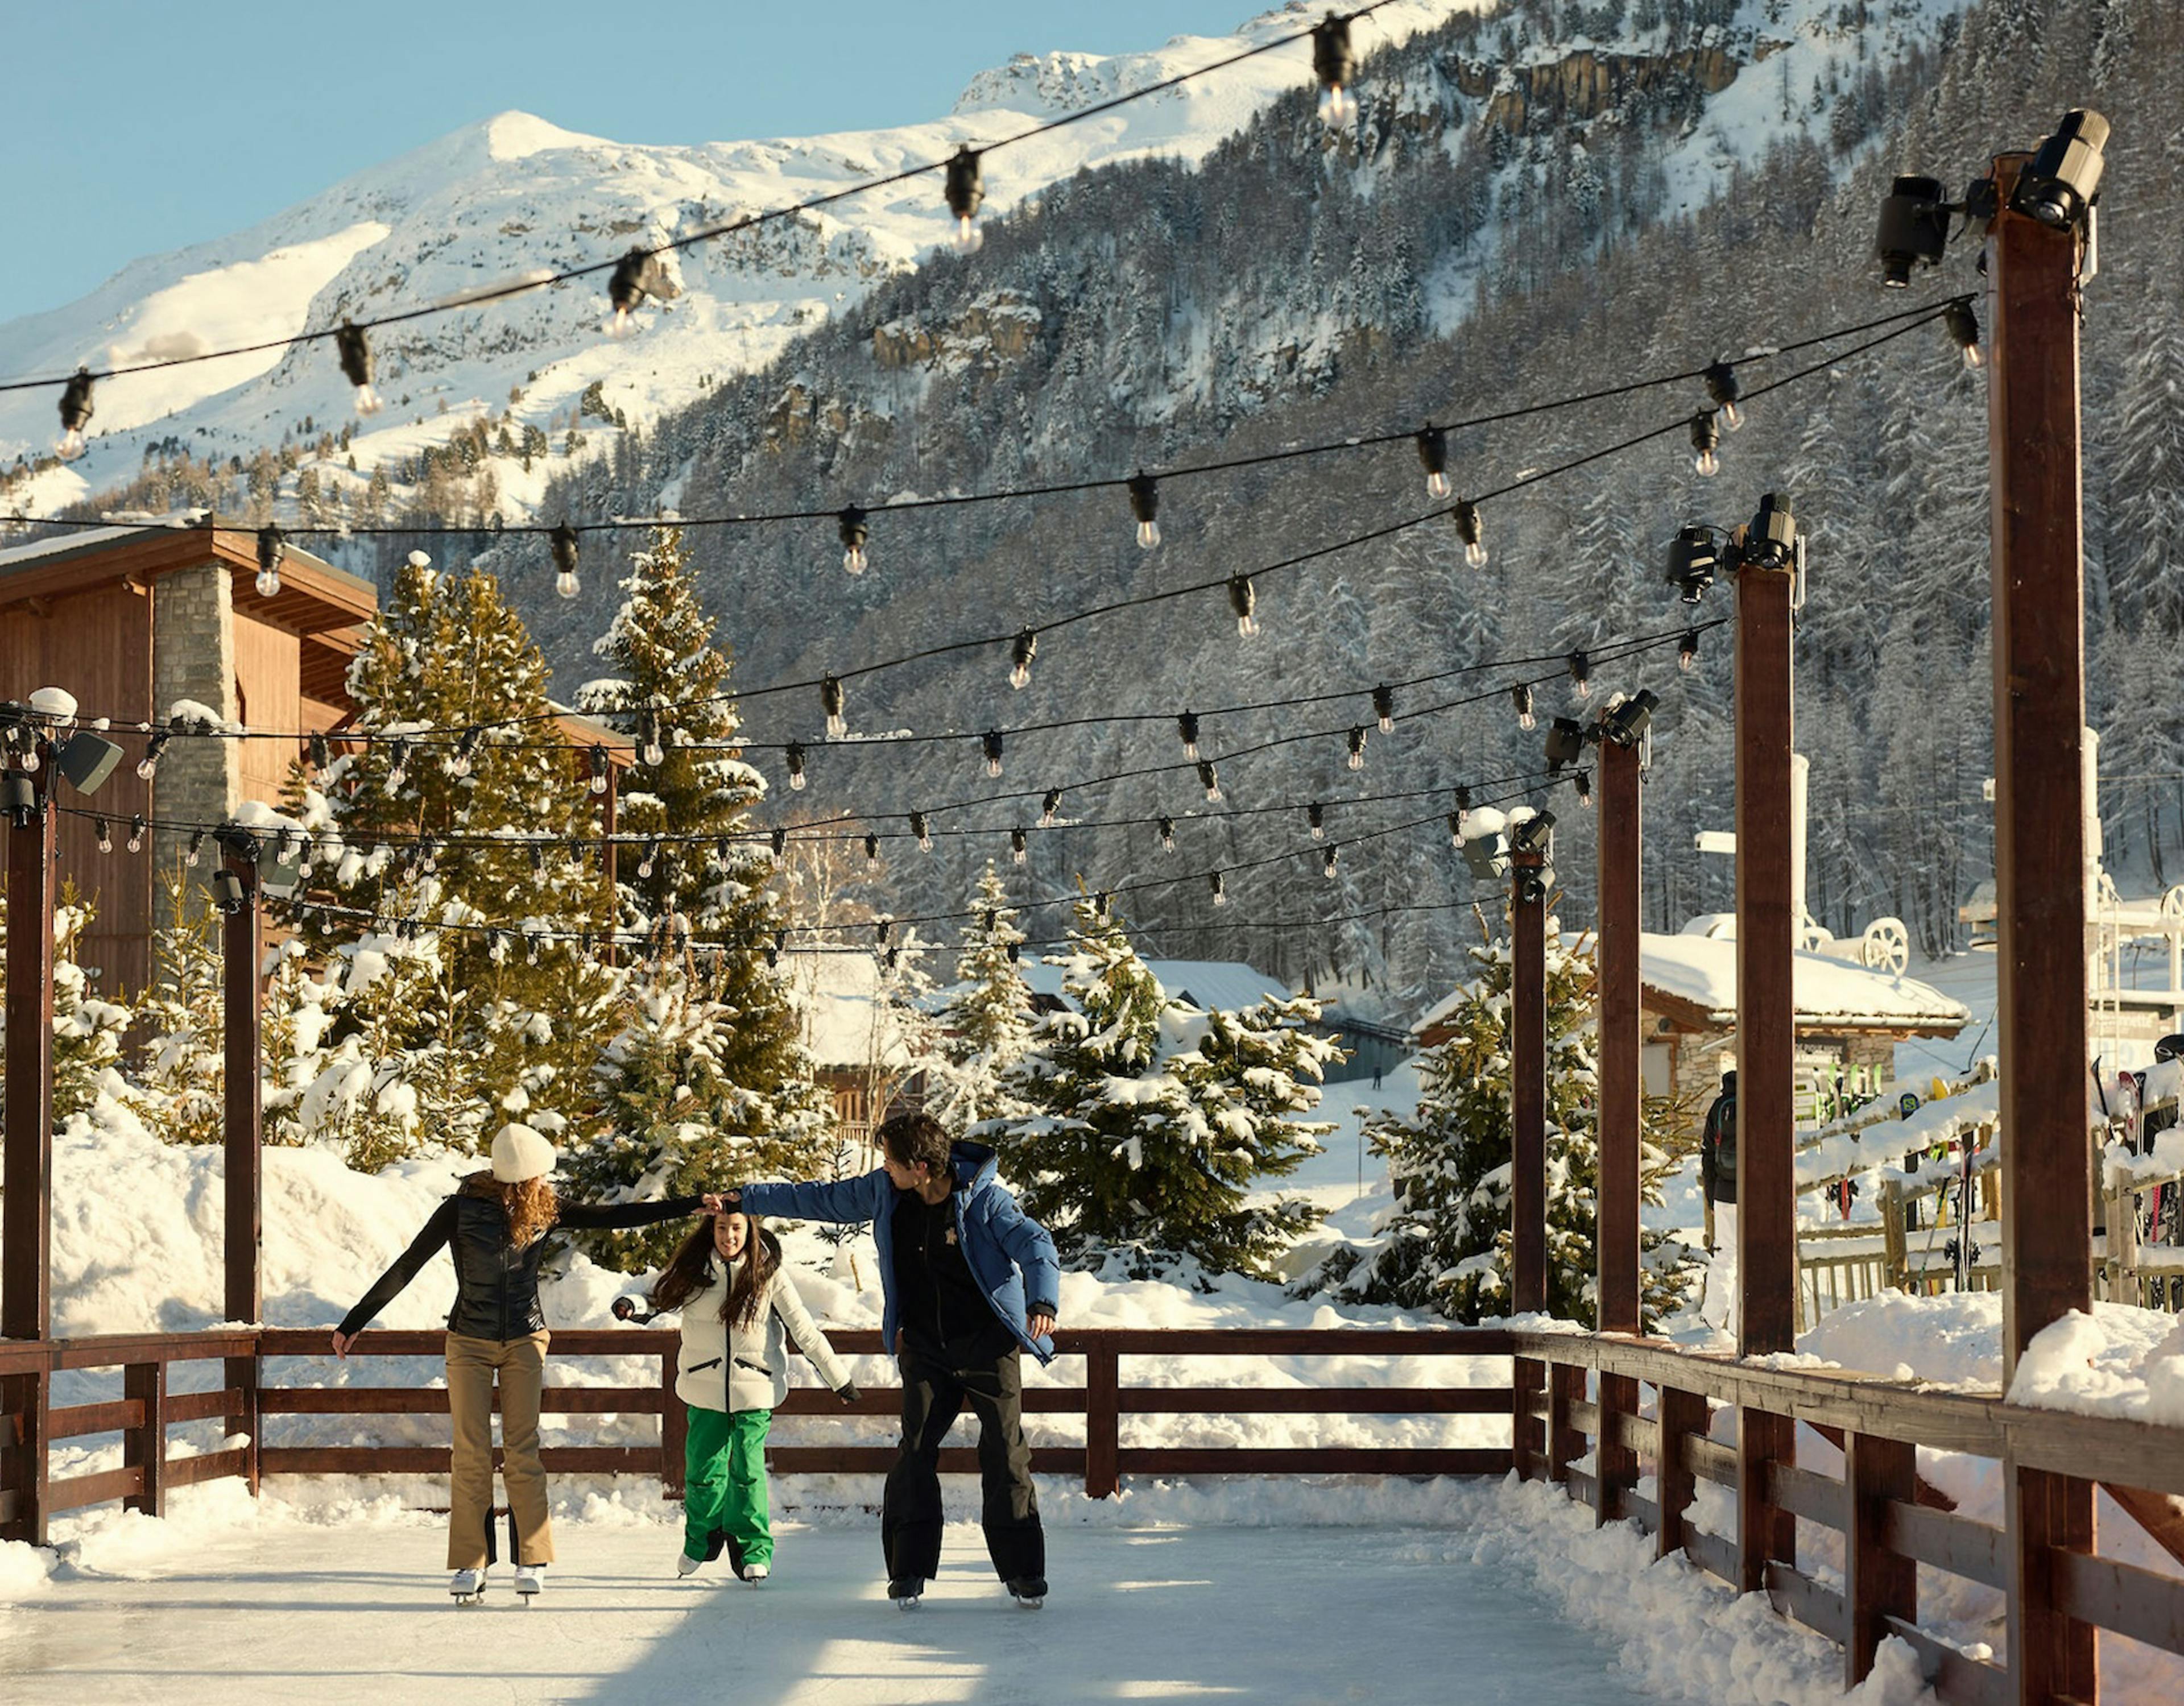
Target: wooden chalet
(131, 620)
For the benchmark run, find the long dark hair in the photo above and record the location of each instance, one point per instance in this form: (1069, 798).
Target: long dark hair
(691, 1269)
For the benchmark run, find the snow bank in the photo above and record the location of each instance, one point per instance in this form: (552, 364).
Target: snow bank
(2115, 1362)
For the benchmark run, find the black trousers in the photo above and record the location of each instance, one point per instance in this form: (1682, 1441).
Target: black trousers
(932, 1396)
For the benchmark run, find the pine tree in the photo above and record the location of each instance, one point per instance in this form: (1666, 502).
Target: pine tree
(1151, 1122)
(989, 1020)
(87, 1030)
(1447, 1243)
(507, 1024)
(707, 1077)
(182, 1084)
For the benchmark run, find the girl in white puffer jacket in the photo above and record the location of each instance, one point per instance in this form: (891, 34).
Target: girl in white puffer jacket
(739, 1307)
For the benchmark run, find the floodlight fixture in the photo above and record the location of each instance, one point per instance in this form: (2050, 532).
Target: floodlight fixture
(1627, 722)
(2057, 186)
(1914, 229)
(1565, 742)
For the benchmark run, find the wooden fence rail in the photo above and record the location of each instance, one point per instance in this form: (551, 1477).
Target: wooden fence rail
(1875, 1503)
(146, 1410)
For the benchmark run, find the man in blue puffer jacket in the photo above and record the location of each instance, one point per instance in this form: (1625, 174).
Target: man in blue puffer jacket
(969, 1283)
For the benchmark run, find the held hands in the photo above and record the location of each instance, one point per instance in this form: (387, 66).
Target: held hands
(715, 1201)
(1040, 1324)
(848, 1394)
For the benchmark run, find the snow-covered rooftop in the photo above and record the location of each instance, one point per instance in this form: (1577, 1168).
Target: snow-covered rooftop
(837, 993)
(1228, 985)
(1702, 970)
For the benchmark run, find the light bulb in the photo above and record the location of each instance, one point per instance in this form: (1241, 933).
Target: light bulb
(1707, 463)
(1315, 819)
(1433, 457)
(268, 584)
(272, 547)
(1144, 505)
(1048, 808)
(1020, 656)
(1186, 725)
(964, 190)
(794, 756)
(75, 416)
(566, 556)
(1687, 652)
(598, 770)
(1019, 849)
(1167, 834)
(1721, 385)
(1973, 358)
(655, 752)
(355, 350)
(567, 583)
(991, 741)
(834, 703)
(1210, 780)
(872, 850)
(137, 833)
(1220, 890)
(1472, 533)
(1585, 787)
(1243, 600)
(1521, 696)
(1336, 106)
(105, 836)
(1706, 434)
(150, 761)
(197, 848)
(1357, 749)
(922, 830)
(1149, 532)
(1384, 708)
(1327, 861)
(854, 531)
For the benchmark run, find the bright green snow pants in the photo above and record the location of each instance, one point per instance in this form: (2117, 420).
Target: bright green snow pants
(724, 1486)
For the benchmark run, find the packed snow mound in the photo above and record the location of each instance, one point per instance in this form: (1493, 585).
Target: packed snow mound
(518, 136)
(1954, 1340)
(2114, 1362)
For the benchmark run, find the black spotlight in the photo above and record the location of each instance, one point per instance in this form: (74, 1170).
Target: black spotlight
(1914, 228)
(1693, 563)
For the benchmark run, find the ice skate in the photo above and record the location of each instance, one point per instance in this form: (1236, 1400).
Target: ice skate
(1029, 1591)
(687, 1565)
(530, 1581)
(753, 1574)
(468, 1586)
(906, 1590)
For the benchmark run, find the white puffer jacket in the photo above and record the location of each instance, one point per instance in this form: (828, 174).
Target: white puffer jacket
(748, 1368)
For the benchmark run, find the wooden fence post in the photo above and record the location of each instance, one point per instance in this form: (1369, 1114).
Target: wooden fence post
(1619, 1280)
(674, 1430)
(1103, 1421)
(144, 1446)
(1877, 1584)
(26, 1169)
(2038, 576)
(1683, 1416)
(1565, 1443)
(243, 994)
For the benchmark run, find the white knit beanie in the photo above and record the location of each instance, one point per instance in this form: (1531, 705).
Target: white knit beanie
(520, 1153)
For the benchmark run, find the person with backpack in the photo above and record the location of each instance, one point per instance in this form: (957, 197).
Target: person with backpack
(1718, 1175)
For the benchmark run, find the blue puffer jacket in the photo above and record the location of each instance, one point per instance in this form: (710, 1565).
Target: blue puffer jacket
(1009, 1253)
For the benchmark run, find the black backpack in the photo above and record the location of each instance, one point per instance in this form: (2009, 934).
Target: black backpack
(1721, 1135)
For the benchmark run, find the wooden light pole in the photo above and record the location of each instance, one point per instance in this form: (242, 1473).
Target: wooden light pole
(243, 991)
(2040, 881)
(1765, 557)
(1528, 1112)
(27, 1171)
(1616, 1242)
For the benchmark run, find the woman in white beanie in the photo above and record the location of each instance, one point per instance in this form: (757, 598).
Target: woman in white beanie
(494, 1226)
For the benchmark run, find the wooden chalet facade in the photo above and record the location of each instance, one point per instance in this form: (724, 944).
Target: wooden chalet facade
(131, 620)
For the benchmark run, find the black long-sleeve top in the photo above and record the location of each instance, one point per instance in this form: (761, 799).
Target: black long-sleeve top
(496, 1284)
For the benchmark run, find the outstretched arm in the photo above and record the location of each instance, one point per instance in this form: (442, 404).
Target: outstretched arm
(788, 1304)
(848, 1201)
(595, 1216)
(389, 1285)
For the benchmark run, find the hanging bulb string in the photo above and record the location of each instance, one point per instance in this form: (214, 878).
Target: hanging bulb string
(1940, 306)
(1682, 423)
(1012, 636)
(617, 937)
(426, 736)
(708, 234)
(331, 845)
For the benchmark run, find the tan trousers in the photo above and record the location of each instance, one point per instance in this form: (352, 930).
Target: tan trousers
(521, 1364)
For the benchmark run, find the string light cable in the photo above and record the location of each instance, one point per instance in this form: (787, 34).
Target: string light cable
(334, 843)
(626, 270)
(1136, 484)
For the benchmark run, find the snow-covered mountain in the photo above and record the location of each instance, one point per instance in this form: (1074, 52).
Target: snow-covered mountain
(513, 194)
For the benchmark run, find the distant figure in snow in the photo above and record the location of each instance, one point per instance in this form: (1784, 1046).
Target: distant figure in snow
(732, 1369)
(968, 1283)
(1376, 1076)
(495, 1226)
(1717, 1175)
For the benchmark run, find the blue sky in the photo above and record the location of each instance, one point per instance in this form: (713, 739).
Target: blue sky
(131, 127)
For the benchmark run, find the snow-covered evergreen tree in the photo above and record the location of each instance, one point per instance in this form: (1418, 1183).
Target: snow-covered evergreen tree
(1151, 1123)
(1447, 1243)
(87, 1028)
(508, 1024)
(181, 1083)
(989, 1021)
(706, 1078)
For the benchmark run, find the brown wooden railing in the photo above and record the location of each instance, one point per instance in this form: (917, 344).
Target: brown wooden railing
(1103, 1399)
(141, 1416)
(1889, 1522)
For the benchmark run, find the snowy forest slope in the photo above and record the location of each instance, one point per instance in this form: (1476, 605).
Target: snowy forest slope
(1291, 290)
